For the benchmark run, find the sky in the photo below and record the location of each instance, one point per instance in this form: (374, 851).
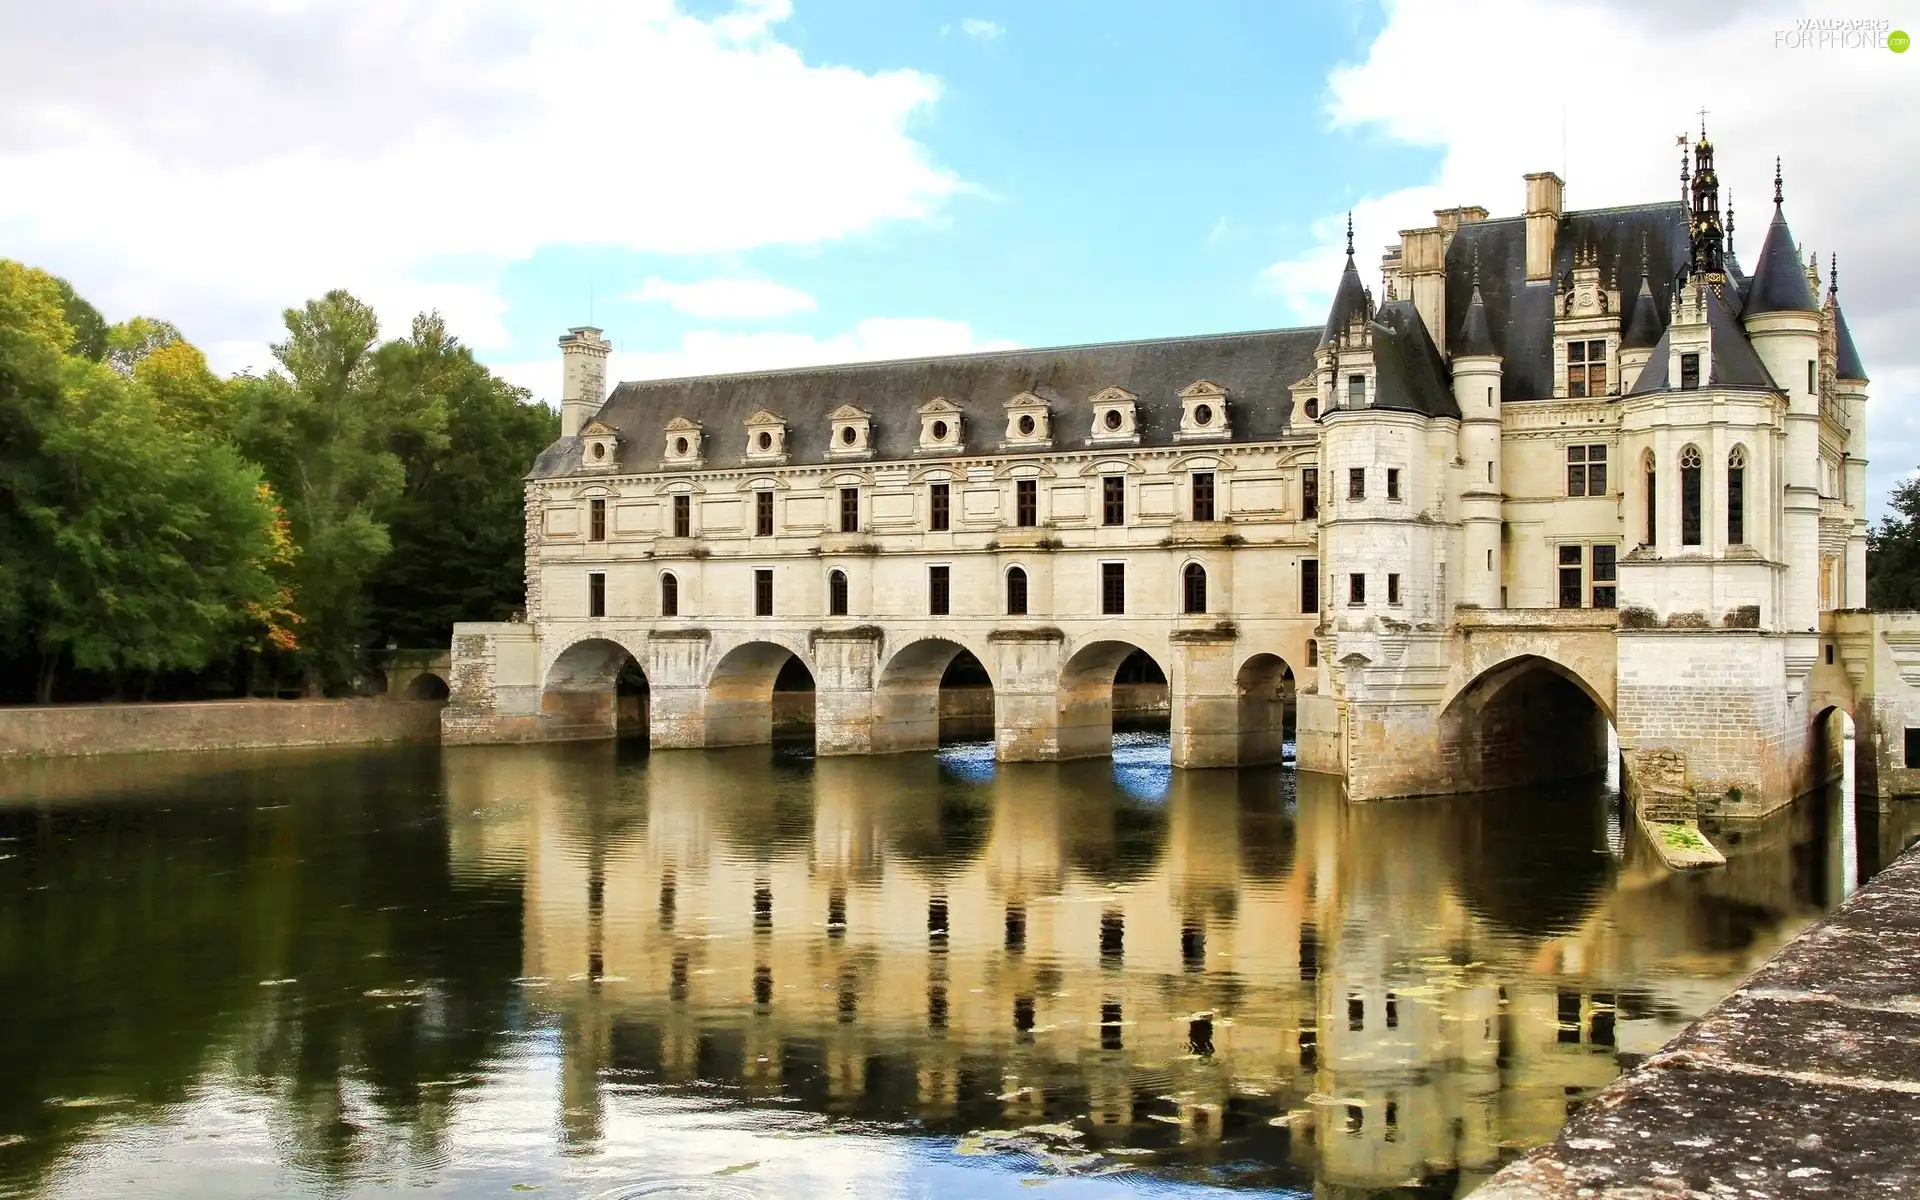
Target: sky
(743, 184)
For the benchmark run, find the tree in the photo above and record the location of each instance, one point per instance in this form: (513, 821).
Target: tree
(87, 329)
(34, 336)
(1893, 551)
(457, 527)
(326, 431)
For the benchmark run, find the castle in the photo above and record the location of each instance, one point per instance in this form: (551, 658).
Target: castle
(1568, 468)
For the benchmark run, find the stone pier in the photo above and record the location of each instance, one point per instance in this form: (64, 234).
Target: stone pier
(1804, 1082)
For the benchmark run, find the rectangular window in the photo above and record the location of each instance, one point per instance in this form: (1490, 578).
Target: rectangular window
(763, 514)
(1587, 470)
(1356, 483)
(1203, 495)
(683, 516)
(939, 598)
(939, 508)
(1572, 576)
(849, 510)
(763, 592)
(1310, 493)
(1356, 391)
(1689, 372)
(1393, 588)
(1026, 503)
(1356, 589)
(1113, 500)
(1113, 588)
(1393, 483)
(1813, 376)
(596, 520)
(1587, 368)
(1604, 576)
(596, 594)
(1309, 585)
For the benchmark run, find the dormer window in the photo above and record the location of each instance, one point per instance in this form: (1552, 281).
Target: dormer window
(940, 426)
(766, 437)
(1587, 368)
(1689, 372)
(1356, 391)
(597, 447)
(1203, 410)
(1114, 416)
(683, 443)
(1028, 421)
(852, 432)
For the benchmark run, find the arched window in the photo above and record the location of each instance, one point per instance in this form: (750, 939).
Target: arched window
(1653, 522)
(1194, 579)
(1690, 496)
(1016, 592)
(669, 595)
(836, 593)
(1737, 497)
(1313, 652)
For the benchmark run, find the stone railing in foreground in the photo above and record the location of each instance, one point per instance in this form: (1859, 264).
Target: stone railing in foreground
(1804, 1082)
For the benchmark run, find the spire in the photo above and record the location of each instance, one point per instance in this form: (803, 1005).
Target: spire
(1705, 234)
(1476, 335)
(1732, 258)
(1779, 277)
(1349, 297)
(1643, 319)
(1349, 233)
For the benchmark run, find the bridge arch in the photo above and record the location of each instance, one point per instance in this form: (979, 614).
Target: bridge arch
(594, 687)
(740, 689)
(906, 692)
(1265, 685)
(1086, 696)
(1525, 720)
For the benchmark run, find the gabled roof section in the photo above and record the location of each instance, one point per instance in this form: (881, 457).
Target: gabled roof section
(1780, 280)
(1733, 364)
(1476, 336)
(1255, 368)
(1409, 374)
(1643, 319)
(1848, 365)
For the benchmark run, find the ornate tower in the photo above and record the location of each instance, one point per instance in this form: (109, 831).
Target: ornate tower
(1705, 232)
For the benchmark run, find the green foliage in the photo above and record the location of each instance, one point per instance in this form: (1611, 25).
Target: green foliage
(1893, 552)
(87, 337)
(456, 527)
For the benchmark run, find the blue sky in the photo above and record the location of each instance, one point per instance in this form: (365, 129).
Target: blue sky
(746, 184)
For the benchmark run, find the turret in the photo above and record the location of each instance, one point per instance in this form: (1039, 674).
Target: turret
(1642, 331)
(1850, 394)
(583, 377)
(1477, 367)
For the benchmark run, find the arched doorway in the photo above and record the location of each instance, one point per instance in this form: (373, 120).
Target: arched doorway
(755, 688)
(1266, 689)
(1832, 759)
(931, 691)
(1108, 685)
(1528, 720)
(582, 696)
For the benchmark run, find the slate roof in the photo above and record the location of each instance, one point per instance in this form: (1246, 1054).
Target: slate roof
(1780, 280)
(1409, 374)
(1349, 297)
(1643, 323)
(1256, 368)
(1847, 359)
(1520, 314)
(1733, 363)
(1476, 336)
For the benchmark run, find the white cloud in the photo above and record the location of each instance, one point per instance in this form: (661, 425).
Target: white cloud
(1454, 74)
(713, 351)
(985, 30)
(726, 297)
(216, 160)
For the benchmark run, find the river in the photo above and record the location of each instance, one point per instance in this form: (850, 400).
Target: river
(587, 971)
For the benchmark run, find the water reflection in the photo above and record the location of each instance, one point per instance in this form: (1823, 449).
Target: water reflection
(577, 967)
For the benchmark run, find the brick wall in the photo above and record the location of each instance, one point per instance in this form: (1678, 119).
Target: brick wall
(62, 731)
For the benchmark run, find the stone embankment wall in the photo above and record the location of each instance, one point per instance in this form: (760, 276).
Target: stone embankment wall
(1804, 1082)
(66, 730)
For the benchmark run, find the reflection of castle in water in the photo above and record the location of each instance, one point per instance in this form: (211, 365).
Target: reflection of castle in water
(1376, 993)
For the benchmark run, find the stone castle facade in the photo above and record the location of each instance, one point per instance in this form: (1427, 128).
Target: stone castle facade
(1567, 468)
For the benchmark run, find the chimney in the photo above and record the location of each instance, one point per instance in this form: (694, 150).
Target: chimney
(1451, 219)
(583, 377)
(1423, 260)
(1544, 195)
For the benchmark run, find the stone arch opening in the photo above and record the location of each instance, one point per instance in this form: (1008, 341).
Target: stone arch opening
(1525, 721)
(1266, 688)
(1832, 761)
(931, 691)
(1108, 686)
(583, 693)
(427, 686)
(756, 692)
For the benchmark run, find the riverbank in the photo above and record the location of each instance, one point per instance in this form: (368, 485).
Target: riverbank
(1804, 1081)
(64, 731)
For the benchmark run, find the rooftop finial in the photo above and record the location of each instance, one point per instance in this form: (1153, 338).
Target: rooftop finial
(1684, 175)
(1776, 179)
(1476, 265)
(1349, 233)
(1729, 216)
(1833, 275)
(1703, 124)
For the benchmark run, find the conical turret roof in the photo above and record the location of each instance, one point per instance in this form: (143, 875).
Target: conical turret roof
(1476, 335)
(1643, 322)
(1780, 278)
